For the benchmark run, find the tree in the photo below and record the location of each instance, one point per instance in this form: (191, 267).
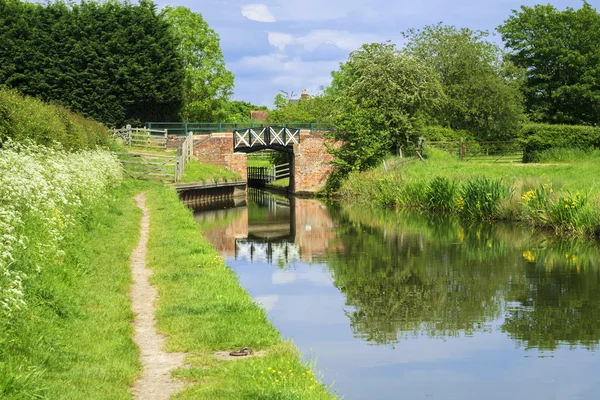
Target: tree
(482, 88)
(561, 53)
(380, 98)
(312, 109)
(239, 111)
(208, 85)
(115, 62)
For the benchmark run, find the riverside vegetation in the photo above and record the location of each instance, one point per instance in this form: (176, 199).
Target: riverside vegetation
(561, 196)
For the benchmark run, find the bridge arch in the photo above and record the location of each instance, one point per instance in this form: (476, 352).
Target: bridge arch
(309, 160)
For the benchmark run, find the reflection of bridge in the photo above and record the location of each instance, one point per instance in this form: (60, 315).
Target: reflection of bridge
(271, 229)
(280, 252)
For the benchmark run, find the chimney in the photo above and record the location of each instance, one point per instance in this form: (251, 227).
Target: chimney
(304, 95)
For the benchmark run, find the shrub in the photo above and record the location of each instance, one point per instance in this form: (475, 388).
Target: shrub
(480, 198)
(539, 137)
(43, 192)
(23, 117)
(441, 194)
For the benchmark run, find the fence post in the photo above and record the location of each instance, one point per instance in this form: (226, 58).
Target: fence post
(220, 127)
(179, 168)
(190, 148)
(128, 127)
(461, 151)
(166, 131)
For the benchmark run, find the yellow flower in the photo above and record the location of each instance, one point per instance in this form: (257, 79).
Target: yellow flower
(262, 372)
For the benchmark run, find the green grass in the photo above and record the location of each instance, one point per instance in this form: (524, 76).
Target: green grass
(203, 309)
(281, 182)
(407, 183)
(198, 172)
(74, 340)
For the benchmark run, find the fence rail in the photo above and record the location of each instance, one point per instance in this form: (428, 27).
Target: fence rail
(138, 165)
(486, 151)
(142, 137)
(206, 128)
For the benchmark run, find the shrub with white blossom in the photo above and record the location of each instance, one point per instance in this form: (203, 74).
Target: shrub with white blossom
(43, 193)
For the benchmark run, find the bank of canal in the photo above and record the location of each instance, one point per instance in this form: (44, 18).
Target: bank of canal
(405, 306)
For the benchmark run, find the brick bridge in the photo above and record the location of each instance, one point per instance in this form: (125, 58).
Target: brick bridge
(307, 155)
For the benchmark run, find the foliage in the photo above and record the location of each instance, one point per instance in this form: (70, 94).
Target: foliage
(239, 111)
(480, 198)
(23, 117)
(207, 84)
(560, 52)
(381, 95)
(565, 213)
(441, 194)
(482, 89)
(64, 275)
(540, 137)
(42, 193)
(407, 183)
(313, 109)
(113, 61)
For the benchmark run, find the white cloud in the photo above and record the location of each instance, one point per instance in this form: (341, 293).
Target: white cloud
(267, 302)
(257, 12)
(343, 39)
(279, 39)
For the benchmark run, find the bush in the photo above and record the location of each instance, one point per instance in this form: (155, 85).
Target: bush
(440, 133)
(480, 198)
(539, 137)
(23, 117)
(441, 194)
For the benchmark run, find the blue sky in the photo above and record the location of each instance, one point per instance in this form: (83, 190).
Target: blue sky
(291, 45)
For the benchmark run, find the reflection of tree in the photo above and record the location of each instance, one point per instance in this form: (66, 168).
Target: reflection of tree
(434, 276)
(559, 302)
(407, 283)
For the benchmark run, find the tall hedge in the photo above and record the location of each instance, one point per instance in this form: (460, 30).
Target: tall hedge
(113, 61)
(23, 117)
(539, 137)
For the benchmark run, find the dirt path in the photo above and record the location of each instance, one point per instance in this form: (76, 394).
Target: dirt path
(155, 381)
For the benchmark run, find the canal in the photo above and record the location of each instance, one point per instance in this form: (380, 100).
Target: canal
(400, 306)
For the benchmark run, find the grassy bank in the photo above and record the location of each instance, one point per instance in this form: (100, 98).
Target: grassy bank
(561, 194)
(203, 309)
(199, 172)
(65, 329)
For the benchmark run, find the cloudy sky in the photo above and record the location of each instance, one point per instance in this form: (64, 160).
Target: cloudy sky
(294, 44)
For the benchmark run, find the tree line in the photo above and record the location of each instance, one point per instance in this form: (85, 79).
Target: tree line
(114, 61)
(447, 82)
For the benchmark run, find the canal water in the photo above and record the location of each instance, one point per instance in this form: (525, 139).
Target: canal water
(401, 306)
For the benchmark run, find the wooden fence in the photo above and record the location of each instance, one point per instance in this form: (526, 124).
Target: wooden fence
(488, 151)
(143, 137)
(164, 167)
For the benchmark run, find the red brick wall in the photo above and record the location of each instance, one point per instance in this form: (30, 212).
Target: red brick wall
(217, 149)
(312, 163)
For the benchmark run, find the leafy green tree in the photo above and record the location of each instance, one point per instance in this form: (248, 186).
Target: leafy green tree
(312, 109)
(239, 111)
(208, 84)
(561, 53)
(483, 89)
(381, 96)
(113, 61)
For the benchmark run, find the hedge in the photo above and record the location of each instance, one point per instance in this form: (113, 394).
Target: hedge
(539, 137)
(23, 117)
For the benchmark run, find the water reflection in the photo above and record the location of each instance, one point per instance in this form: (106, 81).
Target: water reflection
(424, 306)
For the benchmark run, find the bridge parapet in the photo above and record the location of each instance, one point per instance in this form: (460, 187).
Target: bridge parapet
(267, 137)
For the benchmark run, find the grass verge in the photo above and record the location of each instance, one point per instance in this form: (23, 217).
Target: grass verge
(203, 309)
(198, 172)
(564, 197)
(74, 339)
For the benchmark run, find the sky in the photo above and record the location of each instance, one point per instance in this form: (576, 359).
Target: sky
(291, 45)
